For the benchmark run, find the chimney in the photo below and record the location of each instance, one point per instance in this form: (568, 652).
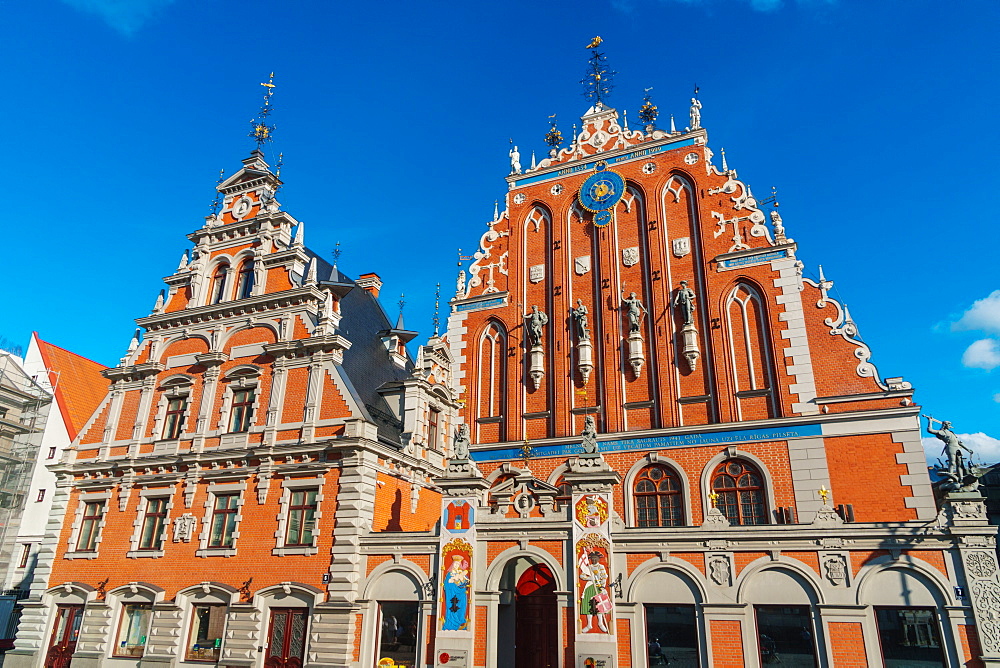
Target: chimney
(370, 282)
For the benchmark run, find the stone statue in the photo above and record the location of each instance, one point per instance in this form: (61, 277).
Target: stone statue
(635, 312)
(536, 320)
(953, 447)
(589, 436)
(460, 447)
(695, 114)
(779, 227)
(515, 160)
(580, 320)
(684, 302)
(460, 283)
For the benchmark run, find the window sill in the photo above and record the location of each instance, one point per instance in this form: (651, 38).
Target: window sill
(144, 554)
(216, 552)
(81, 555)
(307, 550)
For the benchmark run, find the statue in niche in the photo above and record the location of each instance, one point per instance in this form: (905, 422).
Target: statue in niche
(460, 447)
(589, 436)
(695, 113)
(684, 302)
(957, 468)
(515, 160)
(580, 320)
(635, 312)
(536, 321)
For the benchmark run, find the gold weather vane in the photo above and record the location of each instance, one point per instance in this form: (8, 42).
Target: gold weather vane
(259, 128)
(594, 43)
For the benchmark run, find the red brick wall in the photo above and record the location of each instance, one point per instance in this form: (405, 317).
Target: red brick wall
(847, 645)
(727, 644)
(968, 636)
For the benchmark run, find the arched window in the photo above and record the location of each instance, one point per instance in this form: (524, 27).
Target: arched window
(740, 489)
(565, 495)
(244, 283)
(658, 499)
(219, 283)
(750, 353)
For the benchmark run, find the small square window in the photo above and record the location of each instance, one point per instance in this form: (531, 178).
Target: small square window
(52, 453)
(25, 555)
(41, 495)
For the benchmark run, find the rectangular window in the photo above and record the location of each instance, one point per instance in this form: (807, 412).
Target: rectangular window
(242, 410)
(432, 428)
(90, 526)
(41, 495)
(399, 631)
(52, 453)
(133, 629)
(174, 424)
(671, 635)
(151, 536)
(25, 554)
(301, 517)
(909, 637)
(205, 641)
(223, 520)
(785, 635)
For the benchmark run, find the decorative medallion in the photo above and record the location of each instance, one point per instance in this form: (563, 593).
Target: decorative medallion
(599, 139)
(691, 158)
(718, 569)
(581, 265)
(536, 273)
(681, 246)
(242, 207)
(602, 190)
(836, 569)
(519, 198)
(591, 511)
(649, 168)
(556, 189)
(630, 256)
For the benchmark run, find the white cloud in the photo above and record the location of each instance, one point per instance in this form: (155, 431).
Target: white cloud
(125, 16)
(982, 354)
(986, 449)
(983, 315)
(996, 398)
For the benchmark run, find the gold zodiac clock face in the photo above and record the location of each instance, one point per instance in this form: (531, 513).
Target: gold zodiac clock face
(601, 192)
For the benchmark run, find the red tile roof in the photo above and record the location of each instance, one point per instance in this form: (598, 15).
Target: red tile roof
(79, 385)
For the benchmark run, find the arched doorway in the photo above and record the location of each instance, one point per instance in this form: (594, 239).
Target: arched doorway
(536, 619)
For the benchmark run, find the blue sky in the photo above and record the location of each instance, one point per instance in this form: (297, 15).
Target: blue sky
(876, 121)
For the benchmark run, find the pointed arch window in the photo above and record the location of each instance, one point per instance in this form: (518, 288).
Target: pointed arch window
(492, 371)
(219, 283)
(740, 489)
(658, 498)
(750, 352)
(244, 281)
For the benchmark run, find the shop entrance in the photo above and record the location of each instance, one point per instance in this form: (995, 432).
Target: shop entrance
(65, 633)
(536, 619)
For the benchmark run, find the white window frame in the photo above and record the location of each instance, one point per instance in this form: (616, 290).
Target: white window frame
(144, 496)
(294, 485)
(74, 535)
(215, 490)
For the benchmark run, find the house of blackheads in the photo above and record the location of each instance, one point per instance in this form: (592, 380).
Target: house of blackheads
(643, 438)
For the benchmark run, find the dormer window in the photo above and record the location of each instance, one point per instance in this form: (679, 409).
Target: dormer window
(244, 284)
(219, 283)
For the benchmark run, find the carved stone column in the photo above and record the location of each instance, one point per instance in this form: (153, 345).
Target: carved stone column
(965, 515)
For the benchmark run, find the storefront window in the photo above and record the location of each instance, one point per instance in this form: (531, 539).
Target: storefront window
(398, 633)
(671, 636)
(785, 636)
(133, 629)
(207, 625)
(909, 637)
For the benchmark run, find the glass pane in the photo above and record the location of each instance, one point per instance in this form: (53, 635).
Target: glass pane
(297, 635)
(398, 633)
(279, 620)
(671, 636)
(910, 637)
(784, 635)
(207, 624)
(133, 629)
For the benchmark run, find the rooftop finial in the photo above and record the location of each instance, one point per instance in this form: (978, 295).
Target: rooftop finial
(437, 309)
(553, 137)
(217, 202)
(648, 112)
(336, 254)
(598, 82)
(260, 131)
(725, 167)
(402, 303)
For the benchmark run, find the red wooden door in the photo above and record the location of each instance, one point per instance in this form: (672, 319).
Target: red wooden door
(536, 619)
(65, 633)
(286, 638)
